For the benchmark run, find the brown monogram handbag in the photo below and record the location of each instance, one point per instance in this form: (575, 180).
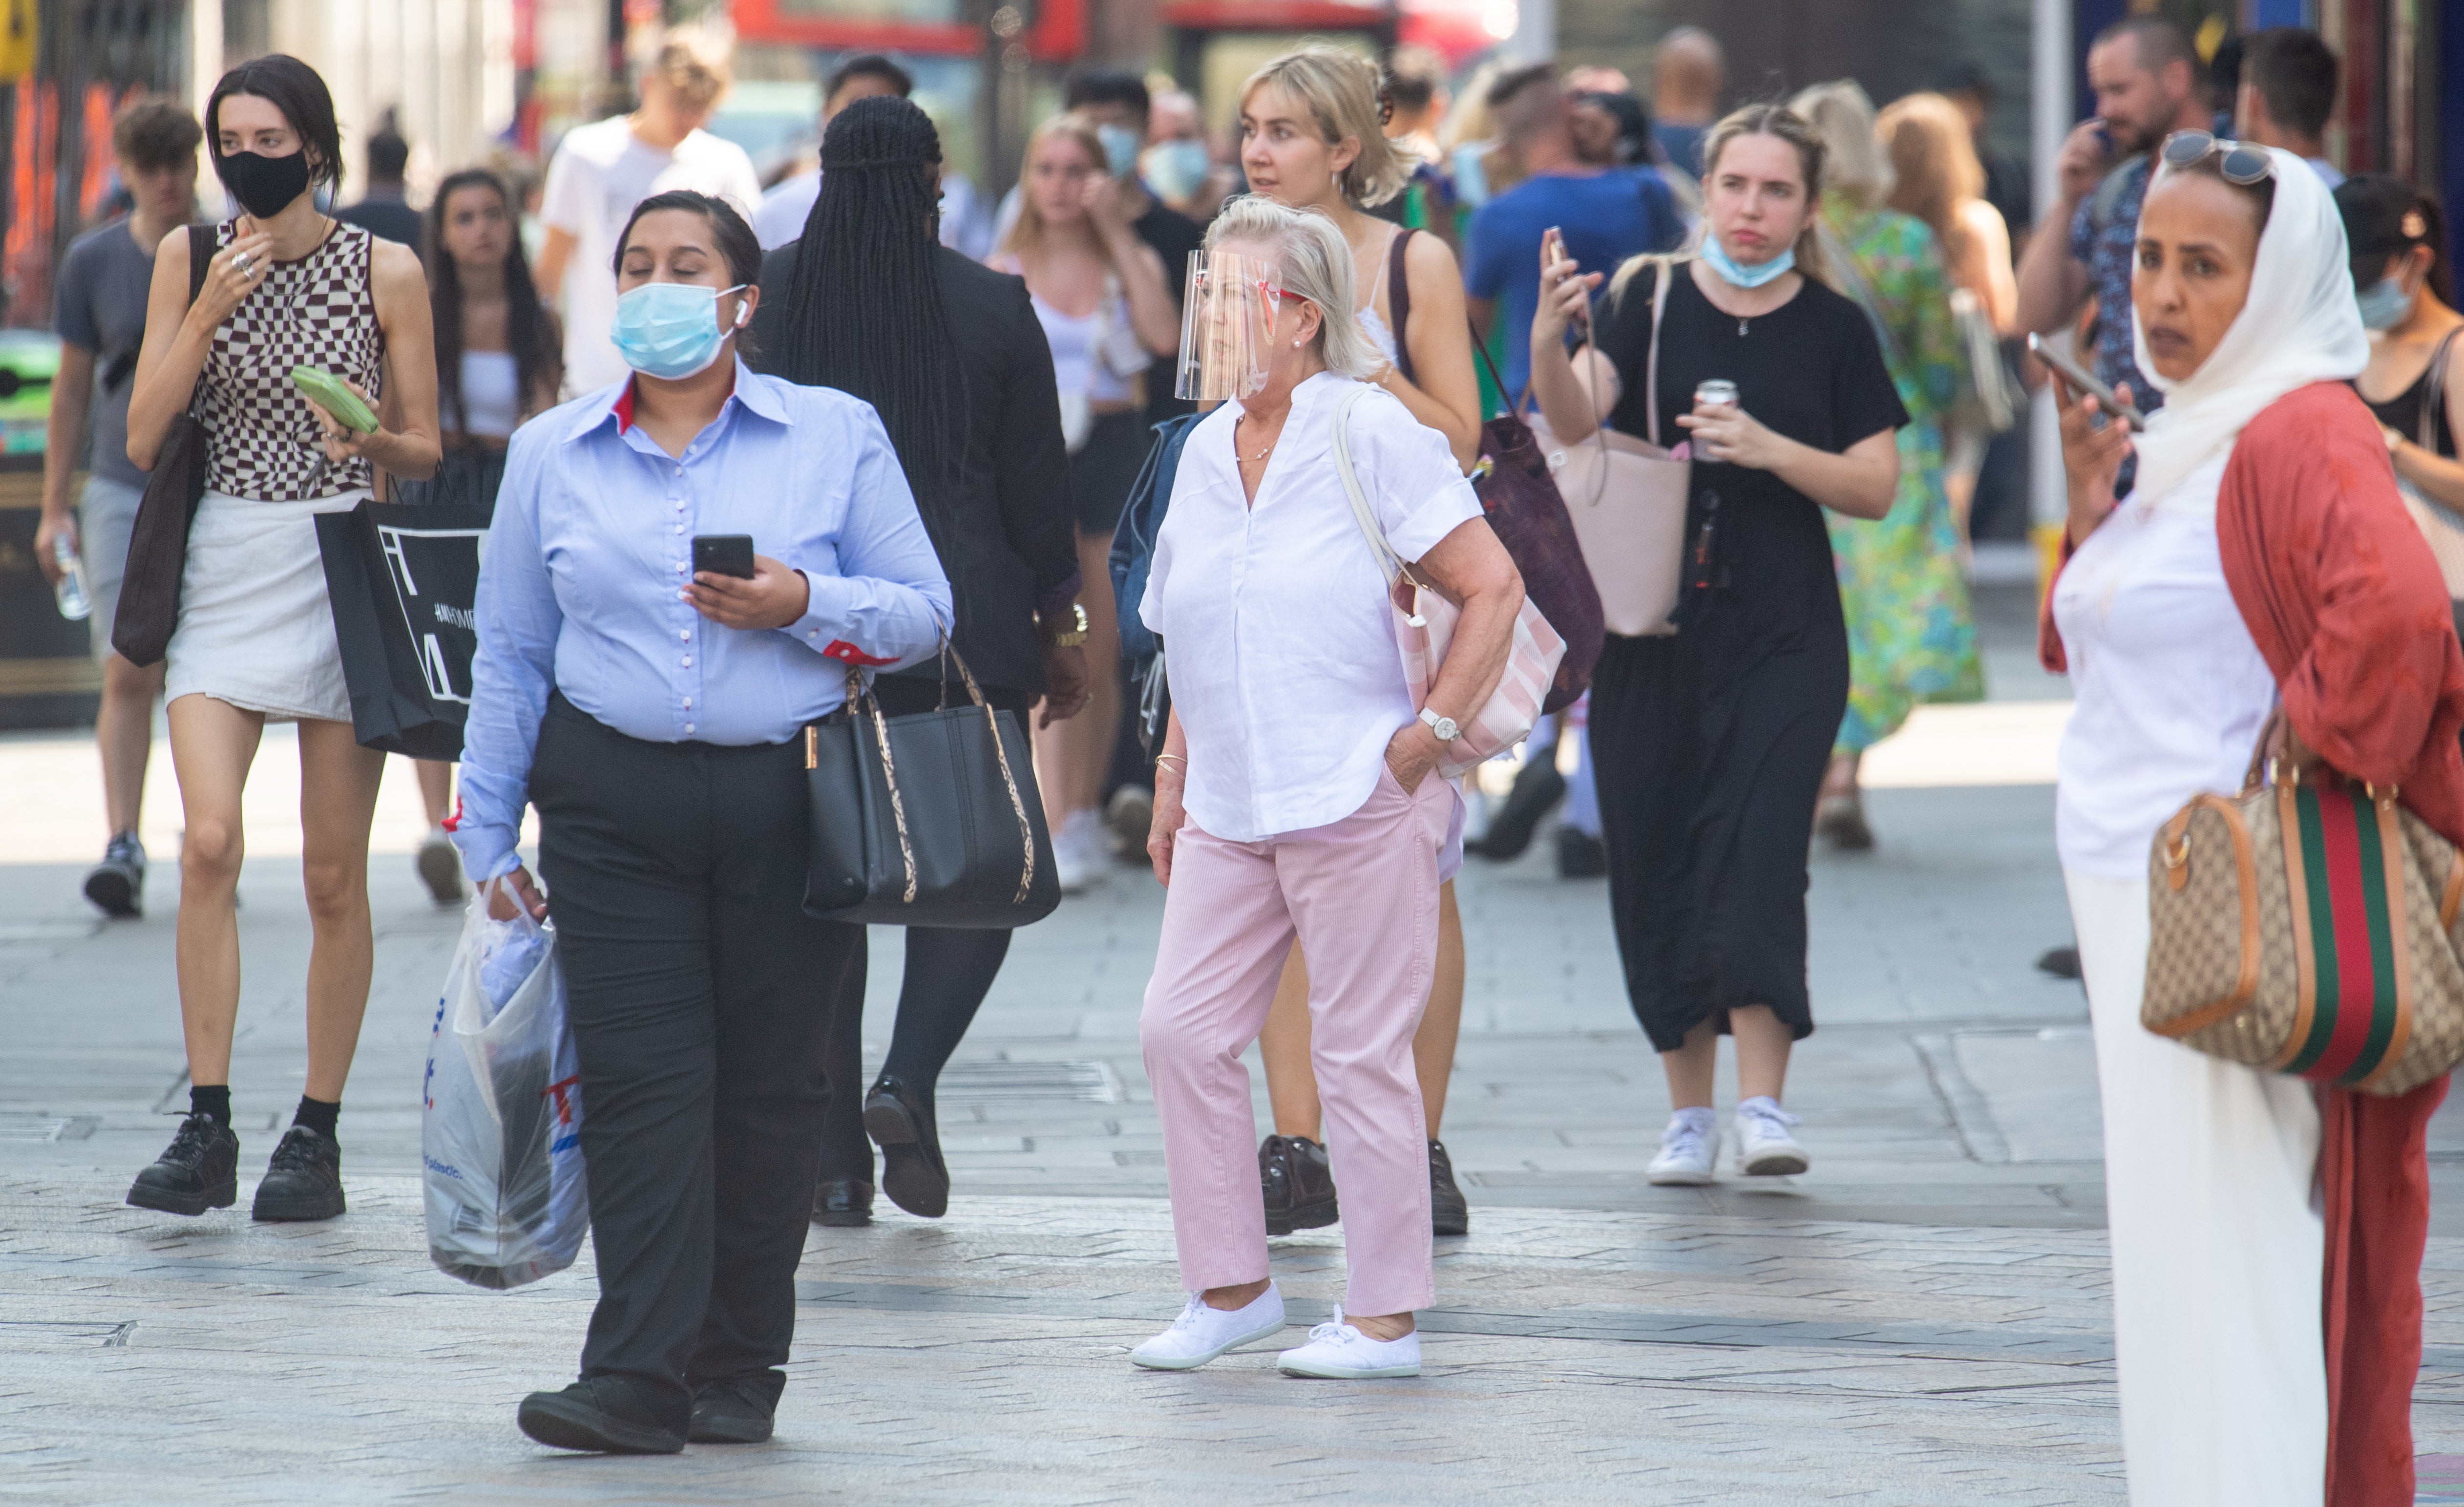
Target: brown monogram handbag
(2308, 929)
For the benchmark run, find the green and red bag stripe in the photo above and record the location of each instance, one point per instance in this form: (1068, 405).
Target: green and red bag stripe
(2352, 938)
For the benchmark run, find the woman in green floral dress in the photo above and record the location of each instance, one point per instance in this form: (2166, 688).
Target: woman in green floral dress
(1911, 634)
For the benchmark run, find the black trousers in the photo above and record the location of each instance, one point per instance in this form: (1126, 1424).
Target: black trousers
(700, 998)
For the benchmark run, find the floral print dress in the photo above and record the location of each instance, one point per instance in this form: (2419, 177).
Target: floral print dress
(1911, 632)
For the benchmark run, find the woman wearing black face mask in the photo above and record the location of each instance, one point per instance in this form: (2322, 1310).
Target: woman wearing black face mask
(254, 643)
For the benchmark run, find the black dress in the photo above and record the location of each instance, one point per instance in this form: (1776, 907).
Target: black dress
(1710, 745)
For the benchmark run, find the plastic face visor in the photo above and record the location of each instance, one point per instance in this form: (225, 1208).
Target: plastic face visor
(1228, 325)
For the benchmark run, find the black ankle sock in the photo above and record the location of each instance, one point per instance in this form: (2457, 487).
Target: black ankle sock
(213, 1102)
(319, 1115)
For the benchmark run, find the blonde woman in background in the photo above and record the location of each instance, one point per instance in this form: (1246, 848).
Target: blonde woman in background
(1938, 178)
(1911, 636)
(1311, 140)
(1107, 311)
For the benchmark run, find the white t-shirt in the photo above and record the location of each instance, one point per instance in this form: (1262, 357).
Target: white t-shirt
(601, 171)
(1284, 672)
(785, 207)
(2172, 688)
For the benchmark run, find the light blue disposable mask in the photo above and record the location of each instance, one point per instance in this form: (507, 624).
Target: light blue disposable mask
(1175, 169)
(1717, 257)
(670, 329)
(2384, 303)
(1120, 148)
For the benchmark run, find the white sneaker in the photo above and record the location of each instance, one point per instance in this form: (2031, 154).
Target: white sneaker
(1339, 1352)
(1080, 856)
(1765, 1148)
(1687, 1150)
(1202, 1333)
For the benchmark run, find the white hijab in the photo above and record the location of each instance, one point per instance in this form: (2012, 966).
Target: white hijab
(2300, 325)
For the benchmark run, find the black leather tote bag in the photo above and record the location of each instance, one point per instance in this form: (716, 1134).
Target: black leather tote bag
(932, 819)
(158, 545)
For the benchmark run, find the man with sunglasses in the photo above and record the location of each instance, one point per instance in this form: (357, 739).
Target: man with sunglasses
(2147, 83)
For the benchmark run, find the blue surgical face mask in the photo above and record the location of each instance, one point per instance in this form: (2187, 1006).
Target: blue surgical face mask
(2384, 303)
(1175, 169)
(1717, 256)
(1120, 148)
(670, 329)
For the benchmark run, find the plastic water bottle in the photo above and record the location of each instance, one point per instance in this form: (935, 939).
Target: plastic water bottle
(74, 604)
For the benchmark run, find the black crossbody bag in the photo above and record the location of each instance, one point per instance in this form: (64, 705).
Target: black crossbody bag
(932, 819)
(158, 545)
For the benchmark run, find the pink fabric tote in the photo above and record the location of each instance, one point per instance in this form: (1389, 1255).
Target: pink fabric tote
(1424, 625)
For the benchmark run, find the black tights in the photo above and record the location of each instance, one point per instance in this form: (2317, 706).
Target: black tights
(949, 972)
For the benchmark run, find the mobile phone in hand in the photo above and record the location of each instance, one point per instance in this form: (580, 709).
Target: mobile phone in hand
(2080, 380)
(1553, 250)
(723, 555)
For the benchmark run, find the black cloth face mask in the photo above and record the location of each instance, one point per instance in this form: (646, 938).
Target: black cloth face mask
(264, 185)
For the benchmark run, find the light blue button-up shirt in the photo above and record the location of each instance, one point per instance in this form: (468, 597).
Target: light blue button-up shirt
(581, 583)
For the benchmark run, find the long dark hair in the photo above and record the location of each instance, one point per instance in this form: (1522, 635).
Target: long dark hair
(2386, 216)
(865, 313)
(527, 329)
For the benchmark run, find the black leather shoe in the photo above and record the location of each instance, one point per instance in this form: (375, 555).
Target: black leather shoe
(1537, 787)
(900, 1121)
(1298, 1184)
(2062, 962)
(842, 1203)
(304, 1180)
(585, 1416)
(730, 1413)
(200, 1170)
(1580, 855)
(1448, 1213)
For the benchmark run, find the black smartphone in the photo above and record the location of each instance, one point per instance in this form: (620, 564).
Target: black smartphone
(723, 555)
(2081, 381)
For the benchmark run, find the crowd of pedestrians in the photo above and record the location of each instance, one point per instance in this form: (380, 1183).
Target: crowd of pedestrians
(931, 416)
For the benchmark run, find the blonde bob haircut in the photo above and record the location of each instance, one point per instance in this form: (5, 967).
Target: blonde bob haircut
(1339, 90)
(1315, 262)
(1855, 164)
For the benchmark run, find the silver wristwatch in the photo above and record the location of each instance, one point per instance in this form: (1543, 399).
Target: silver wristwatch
(1444, 726)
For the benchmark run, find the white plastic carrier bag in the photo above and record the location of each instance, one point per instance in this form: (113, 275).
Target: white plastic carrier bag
(500, 1133)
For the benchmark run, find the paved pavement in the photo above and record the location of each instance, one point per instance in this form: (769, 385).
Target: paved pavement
(1923, 1319)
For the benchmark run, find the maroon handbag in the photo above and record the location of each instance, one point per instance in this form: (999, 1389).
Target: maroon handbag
(1525, 513)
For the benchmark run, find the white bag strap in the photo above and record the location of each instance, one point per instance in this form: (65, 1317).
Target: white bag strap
(1389, 563)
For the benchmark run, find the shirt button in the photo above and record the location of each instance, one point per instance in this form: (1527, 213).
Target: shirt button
(687, 661)
(685, 634)
(680, 528)
(688, 727)
(689, 700)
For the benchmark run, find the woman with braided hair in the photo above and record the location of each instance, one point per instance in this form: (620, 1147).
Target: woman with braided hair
(867, 301)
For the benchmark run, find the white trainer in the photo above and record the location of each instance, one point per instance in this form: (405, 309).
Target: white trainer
(1689, 1148)
(1341, 1353)
(1080, 856)
(1202, 1333)
(1765, 1148)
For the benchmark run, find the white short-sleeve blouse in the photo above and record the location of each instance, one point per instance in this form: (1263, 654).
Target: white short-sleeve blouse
(1284, 672)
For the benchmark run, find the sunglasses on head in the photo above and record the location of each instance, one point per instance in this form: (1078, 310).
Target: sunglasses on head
(2243, 163)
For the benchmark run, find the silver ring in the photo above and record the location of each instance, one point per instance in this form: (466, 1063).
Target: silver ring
(242, 263)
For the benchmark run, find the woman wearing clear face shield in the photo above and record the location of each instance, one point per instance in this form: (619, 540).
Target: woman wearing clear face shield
(1296, 797)
(650, 711)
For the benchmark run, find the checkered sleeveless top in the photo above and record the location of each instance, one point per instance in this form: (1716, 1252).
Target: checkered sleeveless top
(319, 311)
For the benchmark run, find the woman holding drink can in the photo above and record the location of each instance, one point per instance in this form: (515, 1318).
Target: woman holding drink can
(1711, 745)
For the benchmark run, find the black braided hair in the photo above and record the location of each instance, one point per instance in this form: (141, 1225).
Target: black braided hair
(865, 313)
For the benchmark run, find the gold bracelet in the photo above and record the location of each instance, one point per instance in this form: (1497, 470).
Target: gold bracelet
(1174, 759)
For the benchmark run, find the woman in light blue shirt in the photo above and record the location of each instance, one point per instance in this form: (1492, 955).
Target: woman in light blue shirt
(650, 712)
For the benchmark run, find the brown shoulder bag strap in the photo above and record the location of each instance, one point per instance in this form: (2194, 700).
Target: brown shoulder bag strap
(2434, 393)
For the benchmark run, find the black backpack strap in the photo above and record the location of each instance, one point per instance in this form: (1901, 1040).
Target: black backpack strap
(1398, 298)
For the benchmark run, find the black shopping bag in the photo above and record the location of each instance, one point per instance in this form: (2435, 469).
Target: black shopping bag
(403, 581)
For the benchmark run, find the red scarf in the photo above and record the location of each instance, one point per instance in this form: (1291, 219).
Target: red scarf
(2341, 593)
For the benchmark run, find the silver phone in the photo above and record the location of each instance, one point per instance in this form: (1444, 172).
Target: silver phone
(2072, 373)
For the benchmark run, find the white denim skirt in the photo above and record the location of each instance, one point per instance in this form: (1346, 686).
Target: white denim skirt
(255, 629)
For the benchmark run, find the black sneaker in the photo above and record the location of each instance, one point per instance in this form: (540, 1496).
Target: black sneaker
(1298, 1185)
(117, 885)
(198, 1172)
(731, 1412)
(1448, 1213)
(842, 1203)
(304, 1180)
(590, 1416)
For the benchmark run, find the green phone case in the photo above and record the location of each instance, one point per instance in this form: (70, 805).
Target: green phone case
(326, 390)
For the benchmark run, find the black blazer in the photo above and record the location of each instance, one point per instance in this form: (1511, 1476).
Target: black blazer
(1008, 539)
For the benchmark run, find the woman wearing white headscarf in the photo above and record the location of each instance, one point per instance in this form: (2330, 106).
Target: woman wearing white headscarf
(2264, 560)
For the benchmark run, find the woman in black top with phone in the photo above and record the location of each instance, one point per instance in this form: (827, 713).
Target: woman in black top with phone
(287, 286)
(1711, 745)
(869, 301)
